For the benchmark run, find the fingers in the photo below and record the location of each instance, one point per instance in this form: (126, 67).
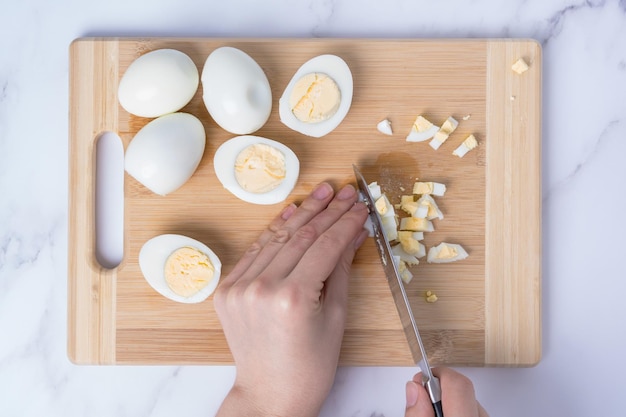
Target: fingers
(307, 236)
(323, 256)
(336, 286)
(261, 253)
(417, 401)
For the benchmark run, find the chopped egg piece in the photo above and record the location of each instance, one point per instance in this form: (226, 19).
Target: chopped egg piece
(404, 256)
(468, 144)
(467, 117)
(422, 130)
(384, 127)
(408, 204)
(390, 227)
(432, 209)
(444, 132)
(520, 66)
(260, 168)
(187, 271)
(430, 296)
(403, 270)
(383, 205)
(409, 234)
(375, 190)
(410, 245)
(416, 224)
(434, 188)
(446, 252)
(314, 98)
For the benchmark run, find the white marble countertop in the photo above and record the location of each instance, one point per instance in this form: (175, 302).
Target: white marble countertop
(584, 142)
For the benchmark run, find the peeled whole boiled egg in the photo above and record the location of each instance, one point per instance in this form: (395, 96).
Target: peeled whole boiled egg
(236, 91)
(180, 268)
(165, 153)
(318, 97)
(256, 169)
(157, 83)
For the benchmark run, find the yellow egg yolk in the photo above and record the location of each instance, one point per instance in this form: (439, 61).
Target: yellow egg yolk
(187, 271)
(315, 97)
(260, 168)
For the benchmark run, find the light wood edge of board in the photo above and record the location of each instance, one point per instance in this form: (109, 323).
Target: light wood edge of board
(91, 335)
(513, 205)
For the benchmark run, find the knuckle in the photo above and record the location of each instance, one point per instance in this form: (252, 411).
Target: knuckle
(287, 299)
(281, 236)
(307, 233)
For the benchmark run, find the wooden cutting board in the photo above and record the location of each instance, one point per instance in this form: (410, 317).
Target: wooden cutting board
(489, 308)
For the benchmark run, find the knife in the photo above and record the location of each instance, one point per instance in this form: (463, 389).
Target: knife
(429, 381)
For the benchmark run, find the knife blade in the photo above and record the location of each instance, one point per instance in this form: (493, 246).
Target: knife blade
(400, 297)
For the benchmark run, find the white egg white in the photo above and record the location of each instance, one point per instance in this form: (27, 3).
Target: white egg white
(236, 91)
(157, 83)
(152, 258)
(165, 153)
(224, 165)
(337, 69)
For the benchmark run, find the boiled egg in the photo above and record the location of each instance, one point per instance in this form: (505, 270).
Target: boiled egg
(157, 83)
(318, 97)
(256, 169)
(236, 91)
(446, 252)
(468, 144)
(165, 153)
(180, 268)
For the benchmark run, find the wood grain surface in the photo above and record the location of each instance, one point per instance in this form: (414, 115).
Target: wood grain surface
(489, 308)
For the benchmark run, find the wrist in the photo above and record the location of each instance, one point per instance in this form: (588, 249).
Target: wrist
(243, 402)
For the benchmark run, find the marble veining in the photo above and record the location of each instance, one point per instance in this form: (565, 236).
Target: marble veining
(584, 131)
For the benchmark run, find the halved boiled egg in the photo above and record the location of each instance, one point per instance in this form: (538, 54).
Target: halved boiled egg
(180, 268)
(318, 97)
(256, 169)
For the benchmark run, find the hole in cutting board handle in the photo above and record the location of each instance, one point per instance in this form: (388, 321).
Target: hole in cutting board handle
(109, 200)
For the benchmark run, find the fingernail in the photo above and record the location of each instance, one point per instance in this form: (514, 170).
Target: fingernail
(346, 192)
(288, 211)
(322, 191)
(411, 394)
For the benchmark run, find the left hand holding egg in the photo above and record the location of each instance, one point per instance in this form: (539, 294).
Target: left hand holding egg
(283, 307)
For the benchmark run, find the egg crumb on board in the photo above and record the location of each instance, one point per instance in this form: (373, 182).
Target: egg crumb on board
(468, 144)
(430, 297)
(180, 268)
(315, 97)
(446, 252)
(520, 66)
(421, 130)
(187, 271)
(318, 96)
(384, 127)
(255, 169)
(444, 132)
(260, 168)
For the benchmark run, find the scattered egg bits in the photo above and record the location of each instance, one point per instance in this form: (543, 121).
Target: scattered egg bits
(236, 91)
(384, 127)
(157, 83)
(180, 268)
(318, 97)
(446, 252)
(256, 169)
(166, 152)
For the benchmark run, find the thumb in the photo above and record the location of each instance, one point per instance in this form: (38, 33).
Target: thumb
(417, 401)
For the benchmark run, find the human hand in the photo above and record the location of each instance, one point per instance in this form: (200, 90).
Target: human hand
(457, 396)
(283, 306)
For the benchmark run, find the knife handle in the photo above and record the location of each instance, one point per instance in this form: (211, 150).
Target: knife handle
(438, 409)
